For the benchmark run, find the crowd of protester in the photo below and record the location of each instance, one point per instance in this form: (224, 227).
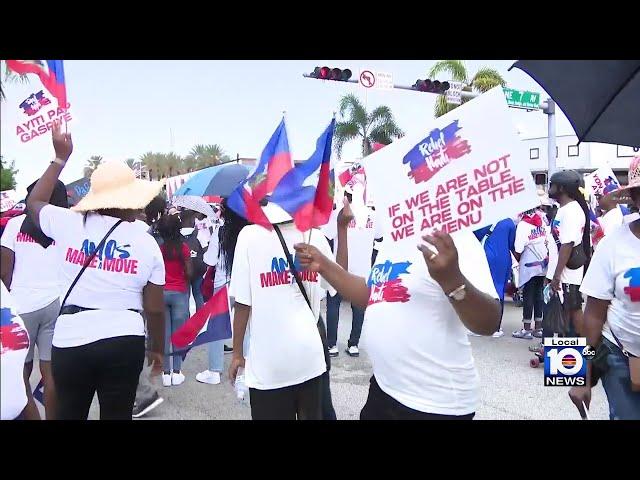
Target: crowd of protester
(101, 286)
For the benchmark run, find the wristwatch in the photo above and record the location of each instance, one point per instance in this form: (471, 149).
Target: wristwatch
(459, 293)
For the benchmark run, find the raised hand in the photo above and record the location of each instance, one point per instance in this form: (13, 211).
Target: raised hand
(62, 143)
(443, 266)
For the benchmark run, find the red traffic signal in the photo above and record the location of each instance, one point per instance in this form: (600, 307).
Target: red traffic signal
(431, 86)
(335, 74)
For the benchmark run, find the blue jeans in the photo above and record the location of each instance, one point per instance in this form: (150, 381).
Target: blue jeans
(176, 307)
(624, 404)
(196, 283)
(333, 315)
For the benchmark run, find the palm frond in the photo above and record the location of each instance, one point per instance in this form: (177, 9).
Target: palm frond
(455, 68)
(351, 108)
(344, 132)
(442, 107)
(487, 78)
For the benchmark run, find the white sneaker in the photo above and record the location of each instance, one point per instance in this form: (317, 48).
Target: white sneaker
(498, 334)
(353, 351)
(333, 351)
(177, 378)
(471, 334)
(166, 379)
(212, 378)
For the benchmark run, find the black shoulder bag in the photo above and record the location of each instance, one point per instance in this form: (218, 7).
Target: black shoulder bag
(321, 327)
(87, 262)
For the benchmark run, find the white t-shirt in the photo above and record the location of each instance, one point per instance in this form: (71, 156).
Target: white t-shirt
(204, 233)
(361, 233)
(285, 344)
(113, 282)
(611, 220)
(35, 282)
(14, 345)
(532, 243)
(614, 274)
(213, 258)
(418, 347)
(567, 227)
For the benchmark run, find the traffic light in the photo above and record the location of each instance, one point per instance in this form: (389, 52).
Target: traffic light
(431, 86)
(336, 74)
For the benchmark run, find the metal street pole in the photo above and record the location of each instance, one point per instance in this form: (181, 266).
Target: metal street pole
(550, 110)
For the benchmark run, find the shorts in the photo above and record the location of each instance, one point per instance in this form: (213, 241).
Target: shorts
(40, 325)
(572, 297)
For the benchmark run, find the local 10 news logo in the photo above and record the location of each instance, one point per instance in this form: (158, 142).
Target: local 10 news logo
(565, 361)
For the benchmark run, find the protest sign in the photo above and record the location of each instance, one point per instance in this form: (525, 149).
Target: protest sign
(466, 170)
(599, 183)
(7, 200)
(39, 116)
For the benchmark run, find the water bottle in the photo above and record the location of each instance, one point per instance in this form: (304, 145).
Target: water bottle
(242, 391)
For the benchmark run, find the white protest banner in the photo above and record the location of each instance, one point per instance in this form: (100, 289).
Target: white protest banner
(599, 183)
(7, 200)
(39, 116)
(467, 169)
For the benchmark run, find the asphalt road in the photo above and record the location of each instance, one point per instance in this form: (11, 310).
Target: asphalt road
(510, 389)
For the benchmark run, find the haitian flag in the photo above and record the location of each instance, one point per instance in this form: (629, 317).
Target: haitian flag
(51, 73)
(310, 205)
(275, 162)
(212, 322)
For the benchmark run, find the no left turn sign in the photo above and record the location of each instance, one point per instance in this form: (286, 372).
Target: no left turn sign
(367, 79)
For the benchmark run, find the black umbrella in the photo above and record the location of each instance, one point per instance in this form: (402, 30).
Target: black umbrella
(601, 98)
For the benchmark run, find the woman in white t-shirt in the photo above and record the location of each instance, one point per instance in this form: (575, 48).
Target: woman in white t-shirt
(286, 359)
(570, 228)
(531, 250)
(418, 310)
(99, 339)
(612, 314)
(219, 259)
(29, 268)
(14, 345)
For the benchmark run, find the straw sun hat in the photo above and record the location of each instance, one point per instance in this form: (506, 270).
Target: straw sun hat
(114, 185)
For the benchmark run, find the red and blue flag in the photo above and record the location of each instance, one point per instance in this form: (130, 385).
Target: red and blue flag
(51, 73)
(309, 202)
(274, 163)
(212, 322)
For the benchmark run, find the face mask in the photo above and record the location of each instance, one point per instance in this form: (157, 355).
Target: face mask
(186, 231)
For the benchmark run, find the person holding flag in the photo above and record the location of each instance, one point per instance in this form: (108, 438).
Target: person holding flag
(278, 300)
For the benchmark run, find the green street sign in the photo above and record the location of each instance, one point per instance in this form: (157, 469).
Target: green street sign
(522, 99)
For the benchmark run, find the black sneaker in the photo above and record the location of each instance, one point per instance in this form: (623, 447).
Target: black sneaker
(147, 405)
(228, 349)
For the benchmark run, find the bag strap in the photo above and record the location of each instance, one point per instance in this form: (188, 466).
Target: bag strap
(88, 261)
(292, 267)
(625, 352)
(487, 235)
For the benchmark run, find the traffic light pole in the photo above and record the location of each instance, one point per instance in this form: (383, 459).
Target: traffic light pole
(548, 108)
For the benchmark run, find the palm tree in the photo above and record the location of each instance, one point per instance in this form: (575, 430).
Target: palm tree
(173, 163)
(379, 126)
(131, 163)
(11, 77)
(208, 155)
(154, 163)
(484, 80)
(92, 164)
